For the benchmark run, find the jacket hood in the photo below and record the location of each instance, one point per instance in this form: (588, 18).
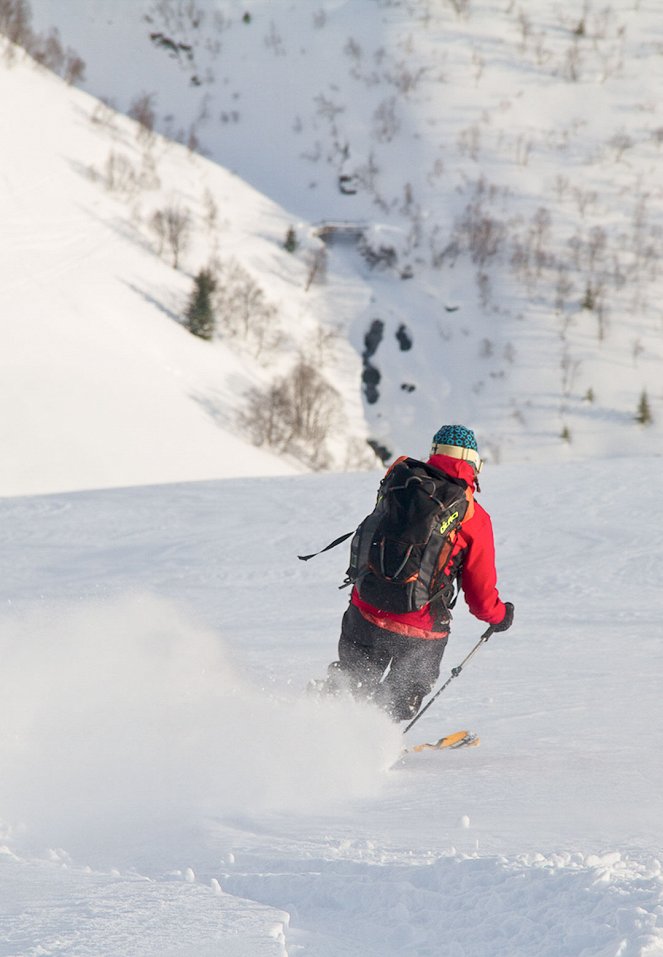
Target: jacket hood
(457, 468)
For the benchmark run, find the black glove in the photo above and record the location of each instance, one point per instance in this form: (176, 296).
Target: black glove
(507, 621)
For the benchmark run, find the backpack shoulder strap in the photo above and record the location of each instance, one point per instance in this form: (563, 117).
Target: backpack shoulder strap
(469, 495)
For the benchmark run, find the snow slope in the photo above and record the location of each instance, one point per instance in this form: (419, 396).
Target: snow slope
(101, 384)
(508, 153)
(168, 786)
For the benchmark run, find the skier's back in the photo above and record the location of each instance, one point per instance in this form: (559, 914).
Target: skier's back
(394, 656)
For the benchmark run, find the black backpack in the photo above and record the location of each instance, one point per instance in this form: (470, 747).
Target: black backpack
(400, 551)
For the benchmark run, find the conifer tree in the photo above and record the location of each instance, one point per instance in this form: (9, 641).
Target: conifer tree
(644, 415)
(200, 317)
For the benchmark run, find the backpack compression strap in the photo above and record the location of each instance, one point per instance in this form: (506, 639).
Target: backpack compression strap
(337, 541)
(343, 538)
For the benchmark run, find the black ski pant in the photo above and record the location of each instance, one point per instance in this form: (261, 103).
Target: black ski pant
(365, 653)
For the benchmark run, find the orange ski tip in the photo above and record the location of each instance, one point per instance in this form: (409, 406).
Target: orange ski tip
(448, 741)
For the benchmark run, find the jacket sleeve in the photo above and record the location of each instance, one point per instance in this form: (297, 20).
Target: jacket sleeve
(479, 577)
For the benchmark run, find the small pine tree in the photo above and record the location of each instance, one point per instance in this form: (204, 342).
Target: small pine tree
(565, 435)
(290, 243)
(644, 415)
(200, 318)
(589, 299)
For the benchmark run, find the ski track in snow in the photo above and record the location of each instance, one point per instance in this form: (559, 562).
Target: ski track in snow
(486, 907)
(454, 905)
(54, 908)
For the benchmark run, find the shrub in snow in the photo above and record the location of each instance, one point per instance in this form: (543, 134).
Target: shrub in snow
(211, 211)
(103, 114)
(142, 111)
(460, 6)
(644, 414)
(594, 301)
(296, 414)
(45, 49)
(242, 310)
(15, 19)
(119, 174)
(589, 299)
(386, 123)
(317, 270)
(381, 256)
(290, 244)
(49, 52)
(200, 313)
(321, 344)
(171, 226)
(481, 233)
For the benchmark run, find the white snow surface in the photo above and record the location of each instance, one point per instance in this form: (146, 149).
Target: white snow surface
(169, 787)
(101, 386)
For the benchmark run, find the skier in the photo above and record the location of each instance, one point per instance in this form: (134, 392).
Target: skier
(394, 658)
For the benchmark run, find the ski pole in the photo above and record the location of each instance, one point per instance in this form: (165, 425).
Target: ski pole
(454, 674)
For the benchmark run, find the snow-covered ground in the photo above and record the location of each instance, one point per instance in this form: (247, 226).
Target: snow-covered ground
(168, 787)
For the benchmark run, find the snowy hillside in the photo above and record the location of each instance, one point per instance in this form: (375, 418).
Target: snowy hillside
(504, 156)
(101, 383)
(168, 788)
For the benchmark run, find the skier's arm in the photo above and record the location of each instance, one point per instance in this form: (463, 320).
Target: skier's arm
(479, 577)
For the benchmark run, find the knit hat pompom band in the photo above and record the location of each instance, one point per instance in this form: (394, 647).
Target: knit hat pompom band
(457, 452)
(458, 442)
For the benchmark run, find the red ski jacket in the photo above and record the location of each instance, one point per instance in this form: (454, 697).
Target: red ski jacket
(474, 549)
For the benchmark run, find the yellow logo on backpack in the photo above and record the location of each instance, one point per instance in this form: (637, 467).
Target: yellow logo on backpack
(445, 525)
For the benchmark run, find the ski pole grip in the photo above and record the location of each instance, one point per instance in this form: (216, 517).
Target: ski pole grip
(488, 632)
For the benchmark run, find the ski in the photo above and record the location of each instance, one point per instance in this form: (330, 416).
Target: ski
(459, 739)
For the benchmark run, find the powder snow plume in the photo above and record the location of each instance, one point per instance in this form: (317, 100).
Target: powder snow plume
(120, 717)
